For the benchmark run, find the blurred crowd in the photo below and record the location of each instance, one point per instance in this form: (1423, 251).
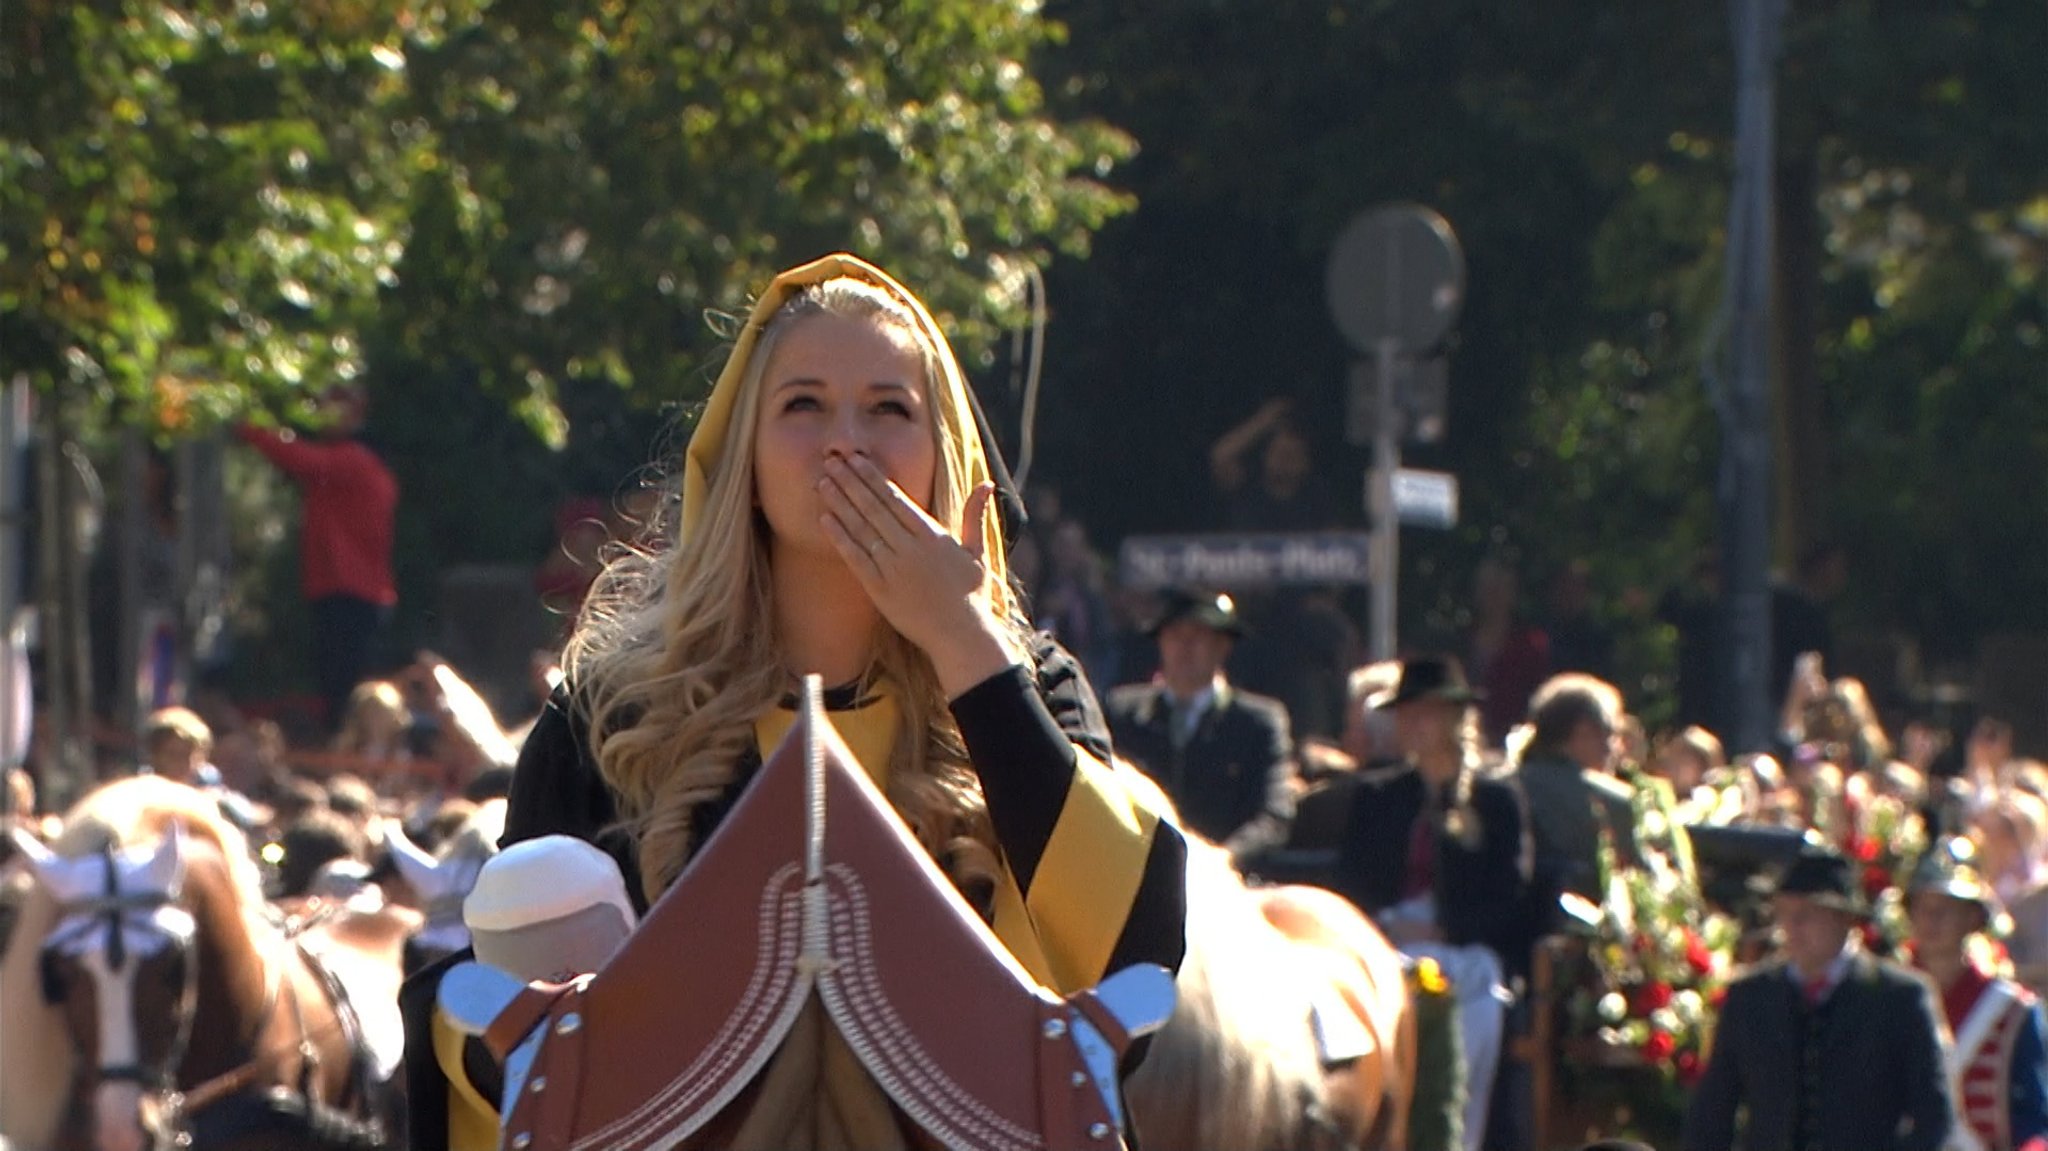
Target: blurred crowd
(1259, 716)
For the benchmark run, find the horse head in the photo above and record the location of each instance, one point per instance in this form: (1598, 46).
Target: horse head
(1293, 1026)
(119, 966)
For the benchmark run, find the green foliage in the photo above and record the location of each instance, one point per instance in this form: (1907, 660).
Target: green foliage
(1582, 152)
(611, 170)
(199, 202)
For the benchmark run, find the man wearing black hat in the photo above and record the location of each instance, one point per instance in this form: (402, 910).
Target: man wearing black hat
(1438, 852)
(1225, 757)
(1998, 1067)
(1828, 1049)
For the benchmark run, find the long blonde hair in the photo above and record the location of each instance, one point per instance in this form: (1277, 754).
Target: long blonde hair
(675, 657)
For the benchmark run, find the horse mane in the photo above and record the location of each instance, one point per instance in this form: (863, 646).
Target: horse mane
(39, 1061)
(1231, 1068)
(140, 809)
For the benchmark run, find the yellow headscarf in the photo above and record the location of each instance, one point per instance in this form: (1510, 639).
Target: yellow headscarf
(707, 443)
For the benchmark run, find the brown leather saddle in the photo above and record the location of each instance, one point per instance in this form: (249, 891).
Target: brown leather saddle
(838, 916)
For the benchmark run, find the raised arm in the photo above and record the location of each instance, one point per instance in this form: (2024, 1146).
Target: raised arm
(1226, 458)
(304, 460)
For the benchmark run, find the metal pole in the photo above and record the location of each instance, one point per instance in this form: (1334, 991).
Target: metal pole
(1745, 399)
(128, 703)
(13, 522)
(1386, 524)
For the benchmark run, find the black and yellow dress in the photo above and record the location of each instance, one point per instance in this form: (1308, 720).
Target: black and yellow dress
(1094, 879)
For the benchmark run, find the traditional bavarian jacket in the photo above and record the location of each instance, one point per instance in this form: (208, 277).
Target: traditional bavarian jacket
(1093, 880)
(1997, 1067)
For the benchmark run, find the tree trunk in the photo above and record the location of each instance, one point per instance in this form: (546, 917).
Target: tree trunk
(1801, 417)
(67, 665)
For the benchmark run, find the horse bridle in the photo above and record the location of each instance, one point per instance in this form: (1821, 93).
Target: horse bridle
(145, 912)
(117, 912)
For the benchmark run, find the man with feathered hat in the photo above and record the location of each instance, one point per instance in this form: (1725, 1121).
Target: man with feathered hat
(1997, 1066)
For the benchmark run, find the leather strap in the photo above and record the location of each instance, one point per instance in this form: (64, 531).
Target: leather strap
(1091, 1008)
(520, 1017)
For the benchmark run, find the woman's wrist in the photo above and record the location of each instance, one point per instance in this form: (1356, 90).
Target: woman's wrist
(968, 654)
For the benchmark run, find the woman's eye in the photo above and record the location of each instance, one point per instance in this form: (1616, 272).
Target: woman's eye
(894, 408)
(801, 404)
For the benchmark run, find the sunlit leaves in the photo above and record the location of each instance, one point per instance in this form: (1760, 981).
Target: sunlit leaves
(207, 196)
(696, 148)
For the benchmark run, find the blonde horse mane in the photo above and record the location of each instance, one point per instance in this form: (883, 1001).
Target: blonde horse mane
(1237, 1066)
(36, 1059)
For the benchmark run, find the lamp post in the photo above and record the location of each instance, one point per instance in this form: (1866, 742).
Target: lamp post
(1738, 367)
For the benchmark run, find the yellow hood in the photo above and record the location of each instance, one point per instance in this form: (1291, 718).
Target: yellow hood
(707, 443)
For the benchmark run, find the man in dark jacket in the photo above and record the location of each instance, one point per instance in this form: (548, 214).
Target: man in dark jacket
(1564, 774)
(1224, 756)
(1438, 852)
(1826, 1049)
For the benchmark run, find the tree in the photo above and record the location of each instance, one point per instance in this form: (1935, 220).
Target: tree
(612, 170)
(199, 202)
(212, 209)
(1581, 152)
(613, 174)
(198, 205)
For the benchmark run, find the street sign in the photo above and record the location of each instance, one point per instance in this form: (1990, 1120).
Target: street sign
(1396, 275)
(1421, 401)
(1394, 281)
(1426, 499)
(1246, 561)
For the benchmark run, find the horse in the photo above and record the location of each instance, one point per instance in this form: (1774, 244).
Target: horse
(363, 942)
(1293, 1028)
(148, 998)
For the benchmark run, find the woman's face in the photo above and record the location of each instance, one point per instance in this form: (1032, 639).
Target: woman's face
(845, 387)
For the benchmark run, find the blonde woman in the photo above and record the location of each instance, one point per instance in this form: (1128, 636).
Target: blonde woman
(835, 520)
(373, 731)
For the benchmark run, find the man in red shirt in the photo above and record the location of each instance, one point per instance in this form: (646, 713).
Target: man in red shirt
(349, 502)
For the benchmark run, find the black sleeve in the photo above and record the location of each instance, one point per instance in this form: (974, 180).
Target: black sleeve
(1156, 930)
(558, 790)
(1025, 758)
(1071, 698)
(425, 1085)
(1021, 728)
